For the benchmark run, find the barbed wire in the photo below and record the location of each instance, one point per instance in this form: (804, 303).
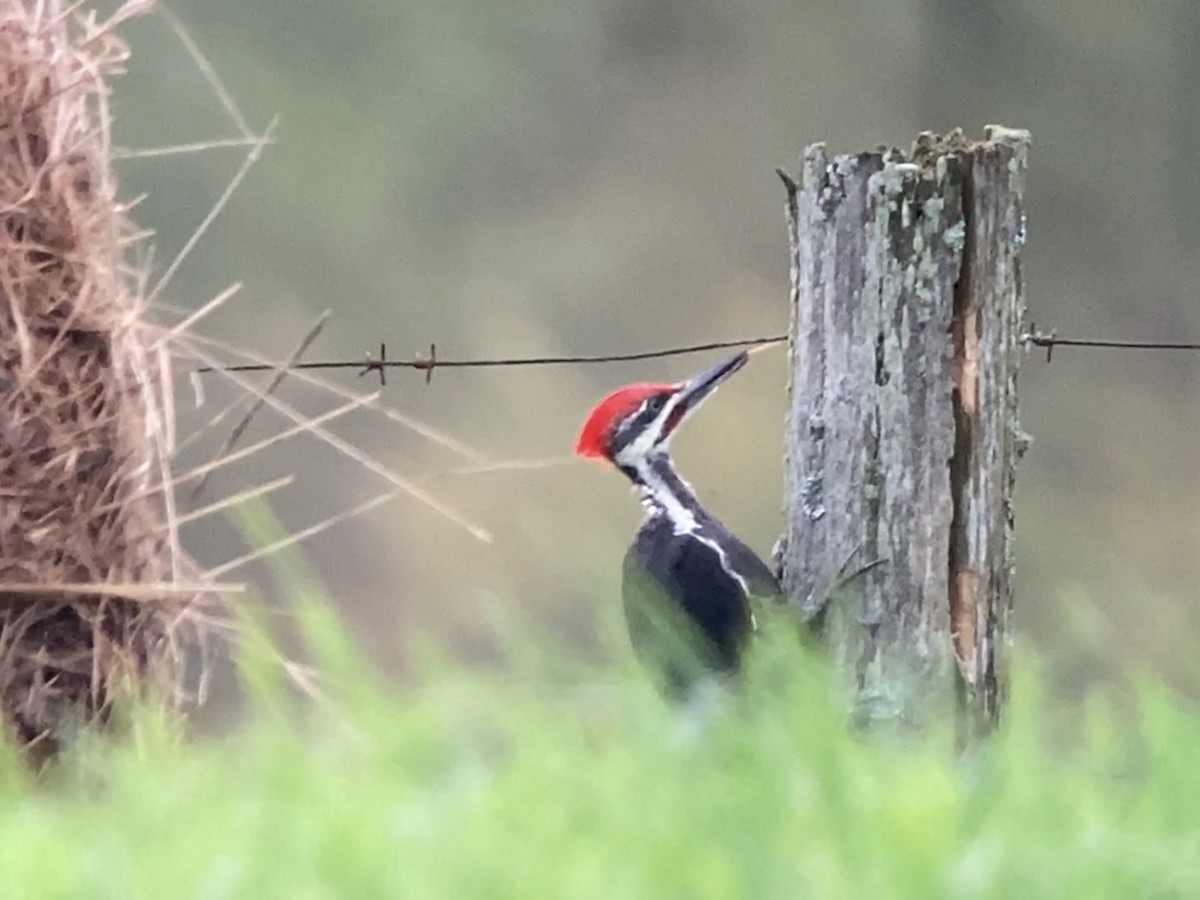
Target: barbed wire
(1050, 340)
(428, 363)
(1047, 340)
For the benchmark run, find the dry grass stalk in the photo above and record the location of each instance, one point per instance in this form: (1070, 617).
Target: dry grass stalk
(85, 413)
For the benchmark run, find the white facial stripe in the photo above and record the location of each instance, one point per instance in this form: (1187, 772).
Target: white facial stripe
(641, 445)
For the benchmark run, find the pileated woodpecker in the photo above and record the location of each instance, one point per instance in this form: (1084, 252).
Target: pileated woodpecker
(688, 582)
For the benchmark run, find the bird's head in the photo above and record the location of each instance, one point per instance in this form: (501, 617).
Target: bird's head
(634, 422)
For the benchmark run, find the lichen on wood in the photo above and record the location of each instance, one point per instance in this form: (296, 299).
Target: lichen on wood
(901, 437)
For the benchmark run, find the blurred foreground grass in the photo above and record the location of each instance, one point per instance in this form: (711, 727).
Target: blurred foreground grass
(554, 778)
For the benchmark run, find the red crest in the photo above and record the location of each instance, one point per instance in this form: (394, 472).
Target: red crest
(593, 437)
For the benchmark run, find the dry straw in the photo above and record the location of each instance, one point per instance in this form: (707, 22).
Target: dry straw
(96, 596)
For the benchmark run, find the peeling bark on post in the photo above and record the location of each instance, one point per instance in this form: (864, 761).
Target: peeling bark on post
(902, 438)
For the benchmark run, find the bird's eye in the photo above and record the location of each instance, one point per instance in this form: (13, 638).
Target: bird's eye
(655, 404)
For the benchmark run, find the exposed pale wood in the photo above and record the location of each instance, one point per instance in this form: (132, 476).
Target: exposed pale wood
(989, 318)
(902, 435)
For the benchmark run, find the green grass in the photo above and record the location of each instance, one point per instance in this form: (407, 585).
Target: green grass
(555, 779)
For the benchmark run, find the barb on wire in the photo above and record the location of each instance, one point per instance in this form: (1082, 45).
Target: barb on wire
(428, 363)
(1050, 339)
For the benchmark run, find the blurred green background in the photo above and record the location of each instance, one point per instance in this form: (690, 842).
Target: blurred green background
(586, 176)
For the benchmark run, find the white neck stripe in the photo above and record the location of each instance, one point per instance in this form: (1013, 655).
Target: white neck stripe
(658, 494)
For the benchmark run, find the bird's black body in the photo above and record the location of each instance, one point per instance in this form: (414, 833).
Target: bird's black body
(688, 583)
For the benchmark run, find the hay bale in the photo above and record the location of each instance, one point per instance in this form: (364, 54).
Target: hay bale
(89, 559)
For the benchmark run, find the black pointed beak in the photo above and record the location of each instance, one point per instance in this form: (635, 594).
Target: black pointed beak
(695, 389)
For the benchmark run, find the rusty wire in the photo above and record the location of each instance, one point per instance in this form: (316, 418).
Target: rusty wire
(427, 363)
(1049, 340)
(430, 362)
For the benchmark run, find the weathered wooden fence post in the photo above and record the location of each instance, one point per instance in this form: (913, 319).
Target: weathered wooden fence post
(902, 438)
